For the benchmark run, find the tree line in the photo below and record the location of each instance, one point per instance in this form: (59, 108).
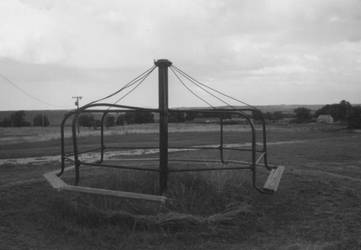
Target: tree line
(89, 120)
(342, 112)
(17, 119)
(131, 117)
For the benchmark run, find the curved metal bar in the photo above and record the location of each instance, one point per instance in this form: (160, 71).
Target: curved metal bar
(215, 110)
(264, 134)
(253, 130)
(102, 147)
(62, 141)
(69, 159)
(84, 151)
(221, 139)
(241, 111)
(253, 164)
(264, 138)
(120, 167)
(85, 107)
(206, 169)
(254, 151)
(184, 147)
(75, 147)
(129, 148)
(220, 112)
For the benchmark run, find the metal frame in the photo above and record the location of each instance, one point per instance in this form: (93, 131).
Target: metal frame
(257, 155)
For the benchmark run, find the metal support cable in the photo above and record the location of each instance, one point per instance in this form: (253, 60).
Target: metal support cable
(210, 93)
(190, 90)
(213, 89)
(129, 84)
(136, 86)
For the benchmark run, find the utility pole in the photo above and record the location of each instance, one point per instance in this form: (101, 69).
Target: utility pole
(78, 98)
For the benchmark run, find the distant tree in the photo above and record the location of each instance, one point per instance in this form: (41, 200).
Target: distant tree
(144, 117)
(121, 120)
(17, 119)
(339, 112)
(274, 116)
(227, 116)
(138, 117)
(6, 122)
(41, 120)
(302, 115)
(109, 121)
(354, 119)
(129, 117)
(277, 115)
(258, 115)
(96, 124)
(344, 110)
(176, 117)
(190, 116)
(86, 120)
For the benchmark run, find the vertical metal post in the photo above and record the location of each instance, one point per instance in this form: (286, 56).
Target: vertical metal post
(102, 146)
(75, 149)
(163, 65)
(221, 139)
(62, 147)
(62, 140)
(254, 169)
(265, 160)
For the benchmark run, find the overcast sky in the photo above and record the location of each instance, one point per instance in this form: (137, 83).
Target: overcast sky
(262, 52)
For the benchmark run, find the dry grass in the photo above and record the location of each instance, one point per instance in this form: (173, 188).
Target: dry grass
(317, 205)
(13, 135)
(211, 204)
(36, 134)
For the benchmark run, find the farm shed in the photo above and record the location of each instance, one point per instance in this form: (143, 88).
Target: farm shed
(325, 119)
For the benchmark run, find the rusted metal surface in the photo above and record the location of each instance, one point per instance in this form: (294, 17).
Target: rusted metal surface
(164, 172)
(163, 122)
(257, 155)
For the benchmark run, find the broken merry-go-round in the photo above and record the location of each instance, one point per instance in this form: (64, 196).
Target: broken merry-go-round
(246, 113)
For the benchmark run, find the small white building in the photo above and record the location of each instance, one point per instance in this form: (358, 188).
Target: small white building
(325, 119)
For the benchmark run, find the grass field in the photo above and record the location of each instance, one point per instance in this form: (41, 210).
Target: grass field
(317, 206)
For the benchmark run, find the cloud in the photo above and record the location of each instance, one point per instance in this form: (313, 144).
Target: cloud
(89, 33)
(284, 43)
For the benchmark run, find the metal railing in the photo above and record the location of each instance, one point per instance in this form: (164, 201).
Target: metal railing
(257, 155)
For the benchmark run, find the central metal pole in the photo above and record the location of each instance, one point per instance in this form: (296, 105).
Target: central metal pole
(163, 65)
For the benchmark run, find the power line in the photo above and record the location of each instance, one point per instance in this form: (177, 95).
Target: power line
(28, 94)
